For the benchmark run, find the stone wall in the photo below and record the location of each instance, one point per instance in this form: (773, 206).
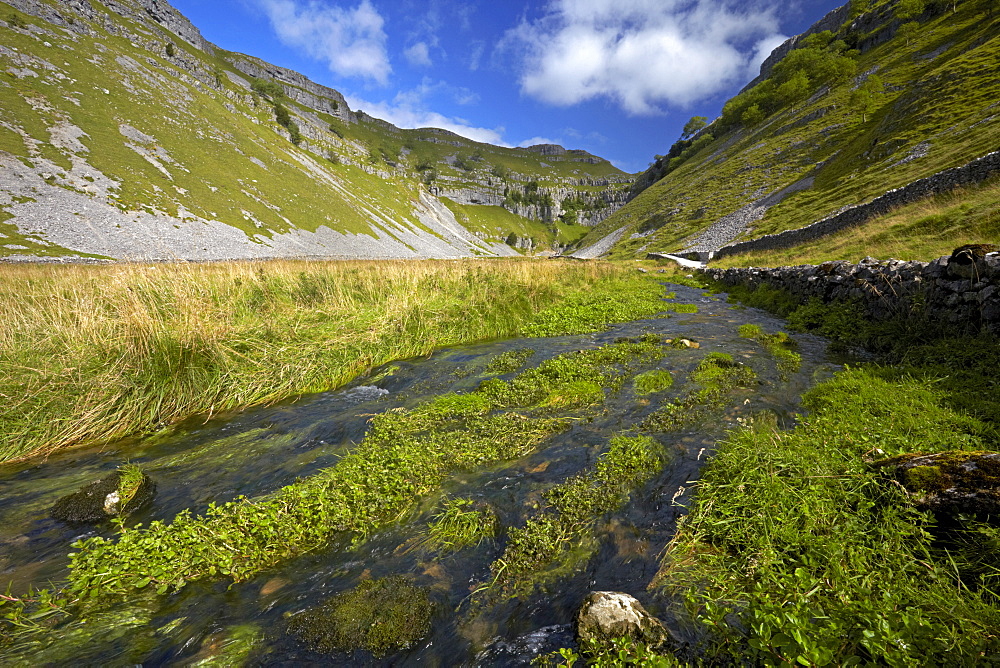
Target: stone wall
(957, 290)
(974, 172)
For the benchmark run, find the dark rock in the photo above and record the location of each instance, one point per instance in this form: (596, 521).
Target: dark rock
(103, 499)
(606, 615)
(969, 261)
(950, 482)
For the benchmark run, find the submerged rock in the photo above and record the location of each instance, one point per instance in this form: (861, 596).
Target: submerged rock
(381, 616)
(116, 495)
(950, 482)
(606, 615)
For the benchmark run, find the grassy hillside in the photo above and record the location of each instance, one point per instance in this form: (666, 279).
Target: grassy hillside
(887, 99)
(120, 130)
(921, 231)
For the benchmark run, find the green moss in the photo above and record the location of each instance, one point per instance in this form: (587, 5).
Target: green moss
(923, 478)
(649, 382)
(381, 616)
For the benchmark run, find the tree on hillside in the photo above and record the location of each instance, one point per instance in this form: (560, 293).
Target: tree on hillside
(907, 31)
(908, 9)
(867, 97)
(693, 126)
(267, 88)
(752, 115)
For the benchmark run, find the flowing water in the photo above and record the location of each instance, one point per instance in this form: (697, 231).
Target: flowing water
(261, 450)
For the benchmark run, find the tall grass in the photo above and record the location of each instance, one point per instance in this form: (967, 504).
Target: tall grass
(94, 353)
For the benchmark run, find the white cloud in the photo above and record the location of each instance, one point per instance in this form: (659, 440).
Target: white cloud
(419, 55)
(408, 109)
(535, 141)
(350, 41)
(478, 48)
(640, 53)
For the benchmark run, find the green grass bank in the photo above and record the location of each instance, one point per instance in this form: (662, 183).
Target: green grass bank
(89, 354)
(801, 550)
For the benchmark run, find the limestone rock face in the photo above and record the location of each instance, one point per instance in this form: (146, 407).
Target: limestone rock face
(610, 614)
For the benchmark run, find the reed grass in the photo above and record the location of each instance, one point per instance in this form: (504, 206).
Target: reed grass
(89, 354)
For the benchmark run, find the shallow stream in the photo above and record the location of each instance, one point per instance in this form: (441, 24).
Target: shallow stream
(259, 451)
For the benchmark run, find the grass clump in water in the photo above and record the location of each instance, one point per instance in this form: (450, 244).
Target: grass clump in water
(718, 374)
(381, 616)
(649, 382)
(573, 507)
(509, 361)
(460, 524)
(779, 345)
(406, 455)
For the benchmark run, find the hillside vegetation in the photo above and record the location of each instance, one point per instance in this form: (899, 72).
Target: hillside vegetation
(126, 135)
(899, 91)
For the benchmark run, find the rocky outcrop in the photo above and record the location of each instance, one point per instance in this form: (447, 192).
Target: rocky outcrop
(950, 483)
(950, 290)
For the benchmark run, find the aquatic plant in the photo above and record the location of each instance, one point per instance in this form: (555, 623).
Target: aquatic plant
(649, 382)
(573, 508)
(779, 345)
(405, 455)
(717, 375)
(460, 524)
(509, 361)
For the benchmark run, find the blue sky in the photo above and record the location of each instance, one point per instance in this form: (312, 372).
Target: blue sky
(618, 78)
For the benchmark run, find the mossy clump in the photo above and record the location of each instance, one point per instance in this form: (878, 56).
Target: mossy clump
(381, 616)
(117, 494)
(509, 362)
(653, 381)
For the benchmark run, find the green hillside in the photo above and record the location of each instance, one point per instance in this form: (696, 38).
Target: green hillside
(126, 135)
(901, 90)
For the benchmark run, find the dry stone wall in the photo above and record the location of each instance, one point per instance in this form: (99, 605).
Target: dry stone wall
(974, 172)
(956, 290)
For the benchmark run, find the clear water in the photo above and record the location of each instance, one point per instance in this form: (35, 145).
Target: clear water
(260, 450)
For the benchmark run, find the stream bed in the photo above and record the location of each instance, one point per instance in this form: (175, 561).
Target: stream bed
(258, 451)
